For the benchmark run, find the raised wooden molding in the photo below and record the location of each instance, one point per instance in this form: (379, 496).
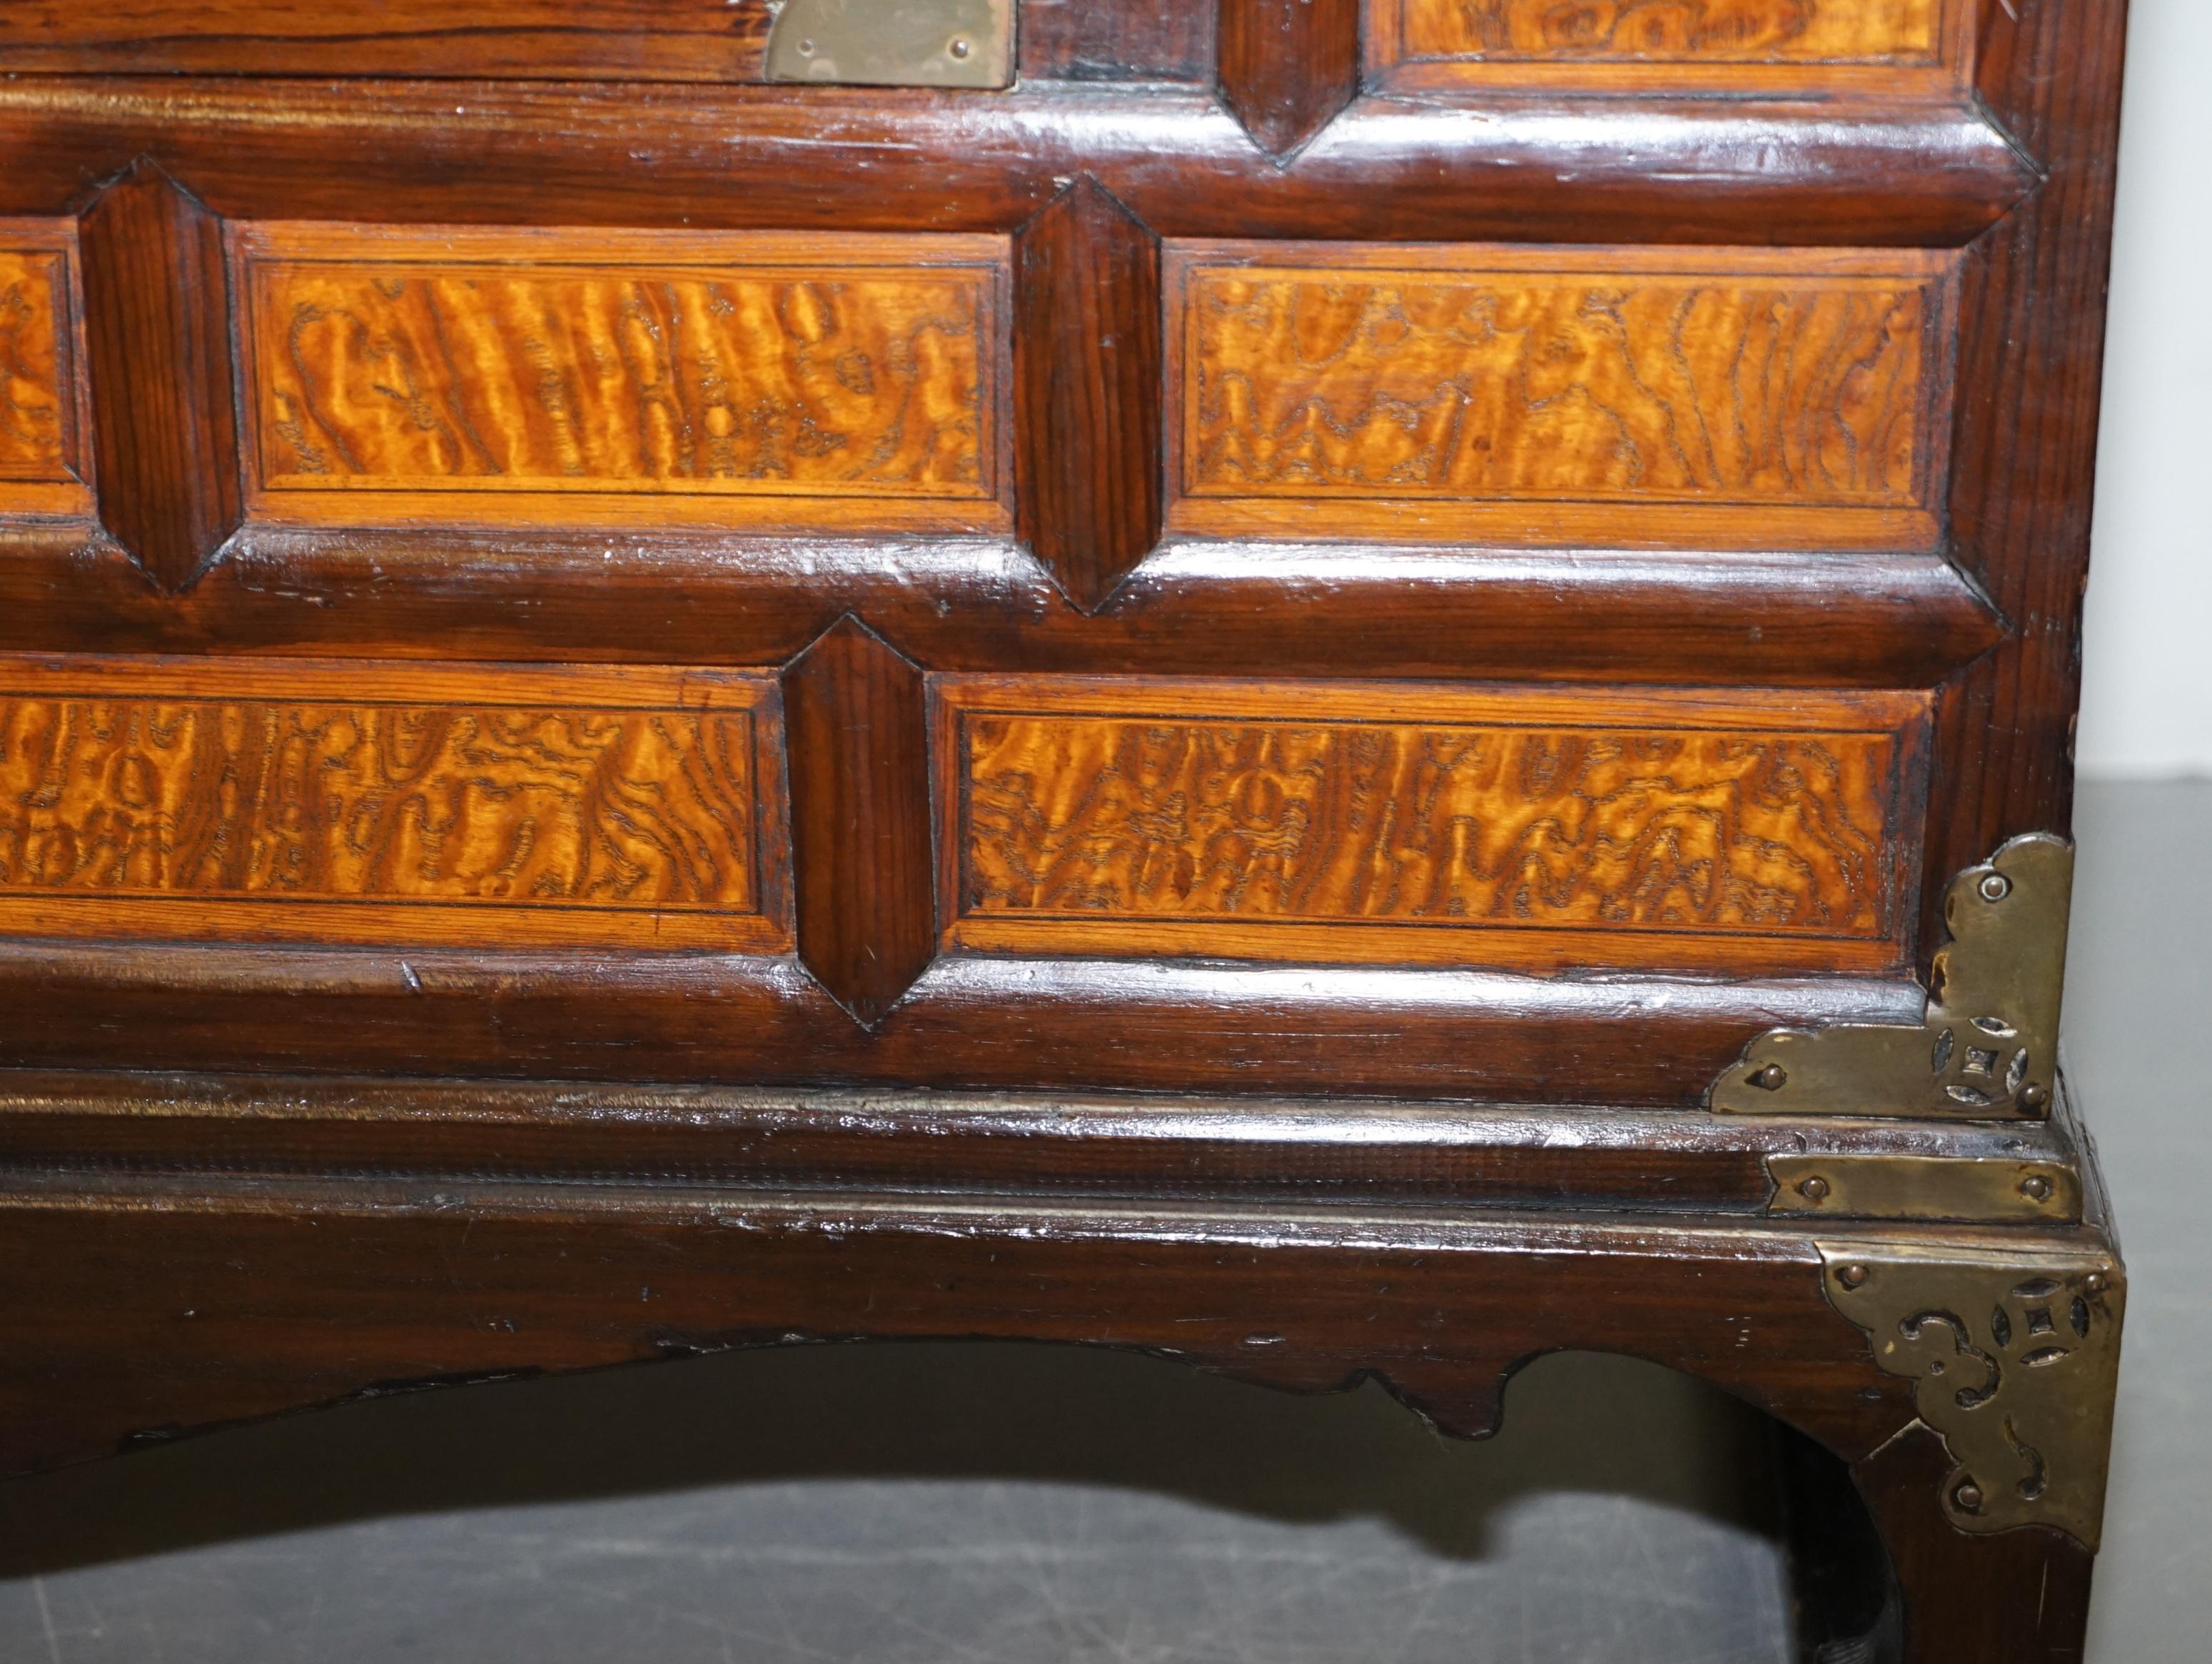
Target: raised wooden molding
(859, 796)
(1087, 387)
(1288, 66)
(157, 349)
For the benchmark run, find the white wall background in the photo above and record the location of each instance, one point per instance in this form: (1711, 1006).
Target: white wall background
(2147, 701)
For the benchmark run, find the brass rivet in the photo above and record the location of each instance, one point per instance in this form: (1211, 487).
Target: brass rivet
(2094, 1283)
(960, 49)
(1968, 1496)
(1772, 1078)
(1996, 887)
(806, 49)
(1852, 1277)
(2034, 1095)
(2035, 1188)
(1813, 1189)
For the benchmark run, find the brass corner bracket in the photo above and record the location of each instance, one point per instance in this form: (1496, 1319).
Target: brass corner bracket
(1988, 1047)
(894, 43)
(2016, 1357)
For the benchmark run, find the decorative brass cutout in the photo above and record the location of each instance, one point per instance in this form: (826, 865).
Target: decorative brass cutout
(1933, 1188)
(1987, 1049)
(894, 43)
(2017, 1356)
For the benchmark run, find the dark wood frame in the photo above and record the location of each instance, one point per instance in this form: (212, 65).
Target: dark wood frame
(193, 1252)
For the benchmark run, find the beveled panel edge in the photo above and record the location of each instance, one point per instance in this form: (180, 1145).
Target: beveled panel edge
(758, 923)
(261, 250)
(1897, 723)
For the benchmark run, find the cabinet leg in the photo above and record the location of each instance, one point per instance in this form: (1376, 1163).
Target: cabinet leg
(1897, 1582)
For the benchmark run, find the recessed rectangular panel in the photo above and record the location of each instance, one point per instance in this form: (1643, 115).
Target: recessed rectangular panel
(1900, 45)
(379, 802)
(742, 377)
(1691, 397)
(41, 396)
(1399, 824)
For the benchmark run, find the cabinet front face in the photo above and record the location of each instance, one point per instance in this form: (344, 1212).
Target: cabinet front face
(1459, 547)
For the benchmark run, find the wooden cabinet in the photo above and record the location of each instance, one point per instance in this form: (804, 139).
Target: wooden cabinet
(1346, 688)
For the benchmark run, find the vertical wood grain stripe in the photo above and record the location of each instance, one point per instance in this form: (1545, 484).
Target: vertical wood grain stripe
(1413, 837)
(35, 397)
(367, 807)
(713, 365)
(1441, 379)
(1688, 31)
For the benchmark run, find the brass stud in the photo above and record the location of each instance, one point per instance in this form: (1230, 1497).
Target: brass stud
(1814, 1189)
(2094, 1283)
(960, 48)
(1852, 1277)
(2034, 1095)
(2036, 1187)
(1772, 1078)
(1996, 887)
(1968, 1496)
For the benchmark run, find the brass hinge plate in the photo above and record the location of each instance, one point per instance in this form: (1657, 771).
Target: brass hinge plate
(1988, 1047)
(894, 43)
(2016, 1357)
(1976, 1189)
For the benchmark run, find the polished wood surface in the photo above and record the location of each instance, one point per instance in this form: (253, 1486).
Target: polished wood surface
(1088, 397)
(657, 40)
(158, 358)
(448, 365)
(859, 792)
(1845, 172)
(1427, 377)
(1288, 66)
(357, 805)
(1420, 825)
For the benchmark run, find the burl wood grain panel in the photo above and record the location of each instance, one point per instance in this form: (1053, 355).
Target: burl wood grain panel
(1913, 46)
(41, 391)
(1399, 824)
(1691, 397)
(625, 378)
(367, 803)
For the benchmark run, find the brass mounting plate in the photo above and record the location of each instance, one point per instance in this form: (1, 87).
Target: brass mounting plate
(894, 43)
(2017, 1356)
(1981, 1189)
(1988, 1047)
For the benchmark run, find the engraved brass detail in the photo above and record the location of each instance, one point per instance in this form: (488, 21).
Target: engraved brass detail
(1988, 1047)
(2016, 1357)
(894, 43)
(1998, 1191)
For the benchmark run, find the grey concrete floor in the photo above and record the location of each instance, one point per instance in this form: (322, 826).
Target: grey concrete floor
(919, 1504)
